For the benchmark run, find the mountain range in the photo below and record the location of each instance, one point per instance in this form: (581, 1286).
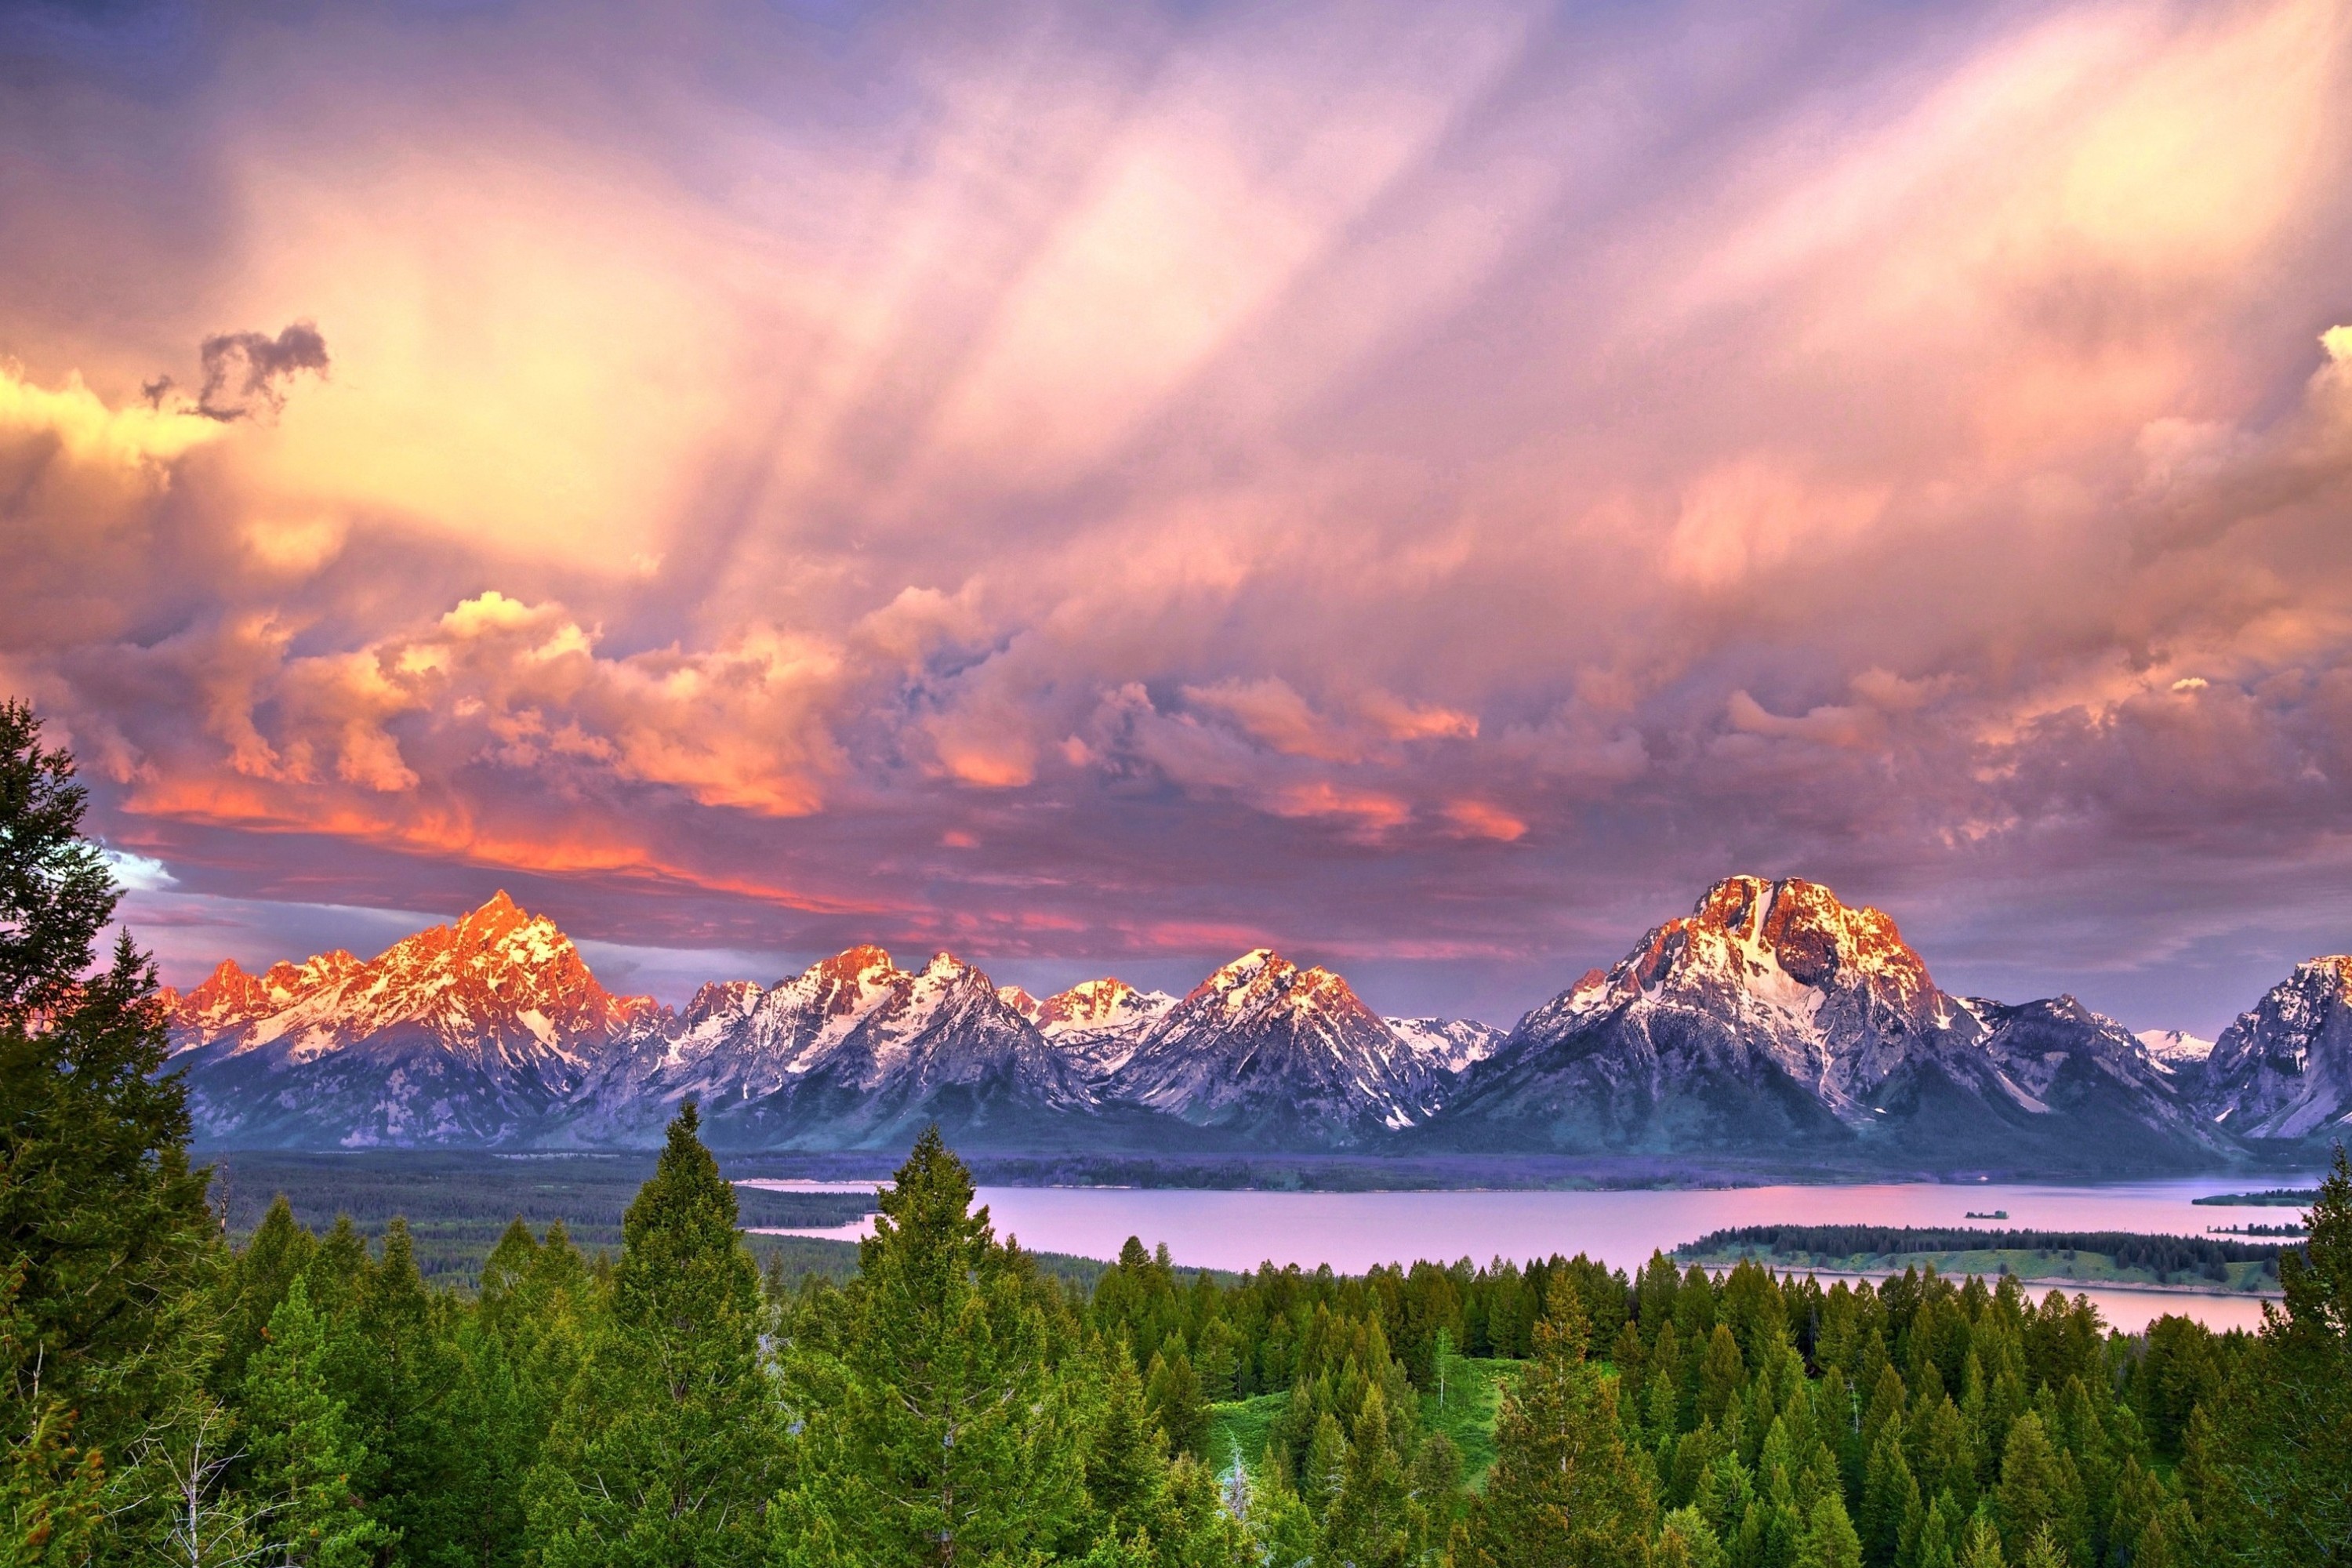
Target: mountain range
(1773, 1023)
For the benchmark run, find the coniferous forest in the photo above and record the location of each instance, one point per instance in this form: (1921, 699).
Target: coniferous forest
(308, 1400)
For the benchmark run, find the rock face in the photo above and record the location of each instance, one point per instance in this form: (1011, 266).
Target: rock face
(2285, 1069)
(1774, 1019)
(1771, 1022)
(471, 1032)
(1272, 1054)
(853, 1052)
(1100, 1023)
(1448, 1045)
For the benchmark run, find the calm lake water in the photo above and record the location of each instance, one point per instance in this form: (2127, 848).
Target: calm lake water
(1354, 1231)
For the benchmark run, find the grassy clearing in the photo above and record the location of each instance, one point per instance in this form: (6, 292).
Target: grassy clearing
(1239, 1428)
(1473, 1394)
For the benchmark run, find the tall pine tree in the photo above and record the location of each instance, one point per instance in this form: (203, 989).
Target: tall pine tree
(1563, 1491)
(665, 1453)
(938, 1429)
(303, 1453)
(103, 1228)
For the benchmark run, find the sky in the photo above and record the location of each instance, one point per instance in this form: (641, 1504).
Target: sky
(1099, 487)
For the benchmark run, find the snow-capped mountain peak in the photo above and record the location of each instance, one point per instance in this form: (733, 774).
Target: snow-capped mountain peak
(468, 1030)
(2174, 1050)
(1099, 1023)
(1263, 1046)
(2283, 1069)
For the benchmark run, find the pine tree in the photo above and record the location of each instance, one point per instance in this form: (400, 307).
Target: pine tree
(1563, 1490)
(938, 1423)
(1829, 1541)
(666, 1451)
(407, 1374)
(1685, 1539)
(1941, 1533)
(1127, 1455)
(1172, 1394)
(52, 1494)
(303, 1453)
(103, 1228)
(1366, 1524)
(1982, 1547)
(2278, 1468)
(2039, 1492)
(1325, 1468)
(1889, 1496)
(256, 1282)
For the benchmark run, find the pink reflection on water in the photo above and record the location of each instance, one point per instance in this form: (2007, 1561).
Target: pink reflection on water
(1355, 1231)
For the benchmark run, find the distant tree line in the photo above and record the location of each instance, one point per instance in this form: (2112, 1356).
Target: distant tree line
(2163, 1256)
(308, 1400)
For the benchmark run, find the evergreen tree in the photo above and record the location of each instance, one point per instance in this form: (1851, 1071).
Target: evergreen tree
(1685, 1539)
(256, 1282)
(1982, 1546)
(1829, 1541)
(1889, 1496)
(1172, 1394)
(666, 1451)
(2281, 1467)
(937, 1429)
(1366, 1525)
(103, 1228)
(1127, 1456)
(2039, 1492)
(52, 1494)
(1563, 1491)
(303, 1453)
(407, 1374)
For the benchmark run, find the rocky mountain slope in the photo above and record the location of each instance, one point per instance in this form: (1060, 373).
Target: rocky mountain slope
(1099, 1023)
(493, 1031)
(471, 1032)
(1276, 1054)
(1775, 1020)
(2283, 1069)
(852, 1052)
(1448, 1045)
(2174, 1050)
(1772, 1022)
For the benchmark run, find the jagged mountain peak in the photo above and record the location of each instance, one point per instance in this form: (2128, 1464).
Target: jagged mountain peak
(1096, 1003)
(2174, 1050)
(1788, 945)
(721, 999)
(1262, 1046)
(2283, 1069)
(1262, 979)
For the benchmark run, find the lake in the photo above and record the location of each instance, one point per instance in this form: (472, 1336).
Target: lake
(1355, 1231)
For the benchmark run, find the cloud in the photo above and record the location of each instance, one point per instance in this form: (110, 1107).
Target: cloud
(1121, 482)
(243, 371)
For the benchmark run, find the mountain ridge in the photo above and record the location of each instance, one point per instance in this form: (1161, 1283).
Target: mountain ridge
(1771, 1020)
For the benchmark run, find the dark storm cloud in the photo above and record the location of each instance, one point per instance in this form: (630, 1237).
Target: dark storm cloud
(244, 371)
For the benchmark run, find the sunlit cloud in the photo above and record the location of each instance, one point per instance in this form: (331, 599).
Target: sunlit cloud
(1422, 488)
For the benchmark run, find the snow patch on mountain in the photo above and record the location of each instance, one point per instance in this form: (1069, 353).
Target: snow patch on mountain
(1448, 1045)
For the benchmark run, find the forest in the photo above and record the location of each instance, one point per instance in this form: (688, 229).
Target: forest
(2162, 1258)
(308, 1399)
